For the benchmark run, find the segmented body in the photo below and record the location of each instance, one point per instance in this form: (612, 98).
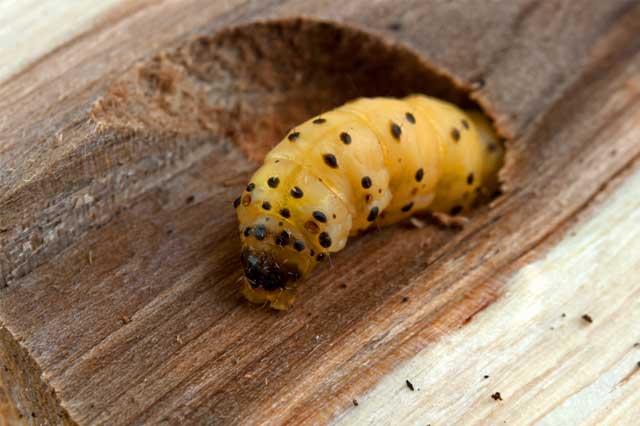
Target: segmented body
(370, 161)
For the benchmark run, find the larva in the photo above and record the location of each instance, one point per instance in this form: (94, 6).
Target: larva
(370, 161)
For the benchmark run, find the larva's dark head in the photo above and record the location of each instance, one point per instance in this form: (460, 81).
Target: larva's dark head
(263, 270)
(269, 279)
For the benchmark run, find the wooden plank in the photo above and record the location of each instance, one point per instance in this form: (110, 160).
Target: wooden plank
(134, 315)
(550, 366)
(30, 29)
(8, 413)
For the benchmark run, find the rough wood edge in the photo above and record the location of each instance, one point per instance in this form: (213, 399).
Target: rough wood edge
(31, 394)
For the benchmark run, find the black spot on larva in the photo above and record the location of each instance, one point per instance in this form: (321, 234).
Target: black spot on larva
(407, 207)
(366, 182)
(273, 182)
(345, 138)
(236, 203)
(330, 160)
(319, 121)
(455, 210)
(247, 231)
(333, 215)
(492, 147)
(280, 223)
(312, 253)
(246, 200)
(296, 192)
(419, 174)
(266, 205)
(470, 179)
(373, 214)
(260, 232)
(410, 118)
(319, 216)
(455, 134)
(396, 131)
(465, 124)
(311, 227)
(298, 245)
(285, 213)
(320, 257)
(293, 136)
(367, 197)
(324, 239)
(282, 239)
(251, 187)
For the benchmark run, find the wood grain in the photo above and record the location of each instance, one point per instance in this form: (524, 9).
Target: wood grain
(550, 366)
(8, 413)
(119, 250)
(22, 22)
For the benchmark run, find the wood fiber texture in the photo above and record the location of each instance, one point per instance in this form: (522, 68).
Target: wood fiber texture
(123, 148)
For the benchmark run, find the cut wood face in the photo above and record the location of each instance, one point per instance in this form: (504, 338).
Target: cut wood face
(251, 84)
(120, 257)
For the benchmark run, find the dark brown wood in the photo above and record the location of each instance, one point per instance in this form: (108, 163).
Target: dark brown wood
(119, 257)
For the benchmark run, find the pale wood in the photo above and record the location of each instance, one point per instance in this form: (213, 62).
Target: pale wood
(30, 29)
(551, 367)
(130, 315)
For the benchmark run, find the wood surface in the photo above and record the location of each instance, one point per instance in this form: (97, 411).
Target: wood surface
(126, 136)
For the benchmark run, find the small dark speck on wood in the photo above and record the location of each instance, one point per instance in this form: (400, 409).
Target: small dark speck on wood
(410, 385)
(496, 396)
(395, 26)
(355, 402)
(587, 318)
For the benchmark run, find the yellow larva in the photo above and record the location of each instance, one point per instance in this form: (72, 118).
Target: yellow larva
(373, 160)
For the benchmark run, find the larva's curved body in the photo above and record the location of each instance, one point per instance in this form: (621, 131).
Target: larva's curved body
(373, 160)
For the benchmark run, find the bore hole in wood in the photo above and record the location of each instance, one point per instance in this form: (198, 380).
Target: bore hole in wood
(252, 83)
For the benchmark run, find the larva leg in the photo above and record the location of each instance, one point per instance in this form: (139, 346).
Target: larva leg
(449, 221)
